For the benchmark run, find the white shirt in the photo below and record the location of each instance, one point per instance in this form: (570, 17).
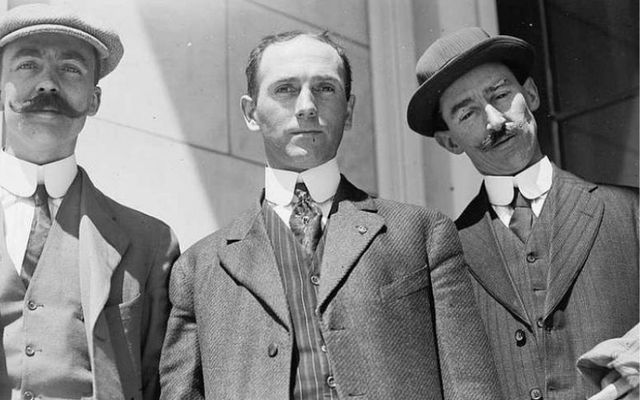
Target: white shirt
(18, 181)
(534, 184)
(321, 181)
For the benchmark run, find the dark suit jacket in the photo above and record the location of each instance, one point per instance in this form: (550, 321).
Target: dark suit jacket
(392, 278)
(592, 289)
(124, 260)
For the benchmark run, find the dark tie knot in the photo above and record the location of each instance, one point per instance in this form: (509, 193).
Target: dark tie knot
(519, 200)
(40, 197)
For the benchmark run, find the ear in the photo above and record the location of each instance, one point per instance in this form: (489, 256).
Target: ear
(248, 112)
(349, 118)
(95, 101)
(531, 94)
(445, 140)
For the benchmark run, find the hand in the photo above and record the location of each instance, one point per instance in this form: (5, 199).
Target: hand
(617, 363)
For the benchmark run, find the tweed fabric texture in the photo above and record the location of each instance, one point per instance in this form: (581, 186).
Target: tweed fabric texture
(310, 364)
(592, 285)
(393, 277)
(64, 19)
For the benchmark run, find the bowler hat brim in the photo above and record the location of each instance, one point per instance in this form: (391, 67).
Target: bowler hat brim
(515, 53)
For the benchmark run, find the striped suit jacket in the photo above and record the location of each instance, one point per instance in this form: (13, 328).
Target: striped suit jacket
(592, 286)
(392, 278)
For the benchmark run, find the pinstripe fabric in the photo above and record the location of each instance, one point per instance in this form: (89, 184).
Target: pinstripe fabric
(591, 284)
(310, 363)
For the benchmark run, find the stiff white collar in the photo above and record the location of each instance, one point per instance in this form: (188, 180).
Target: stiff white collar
(533, 182)
(322, 182)
(21, 177)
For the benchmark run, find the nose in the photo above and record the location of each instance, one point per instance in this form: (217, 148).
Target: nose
(48, 83)
(305, 105)
(495, 118)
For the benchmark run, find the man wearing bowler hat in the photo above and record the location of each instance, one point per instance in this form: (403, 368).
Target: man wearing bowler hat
(83, 279)
(554, 259)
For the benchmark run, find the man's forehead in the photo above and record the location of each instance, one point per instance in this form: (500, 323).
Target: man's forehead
(301, 54)
(484, 77)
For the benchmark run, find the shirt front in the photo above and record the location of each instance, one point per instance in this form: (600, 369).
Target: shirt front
(18, 182)
(321, 181)
(534, 184)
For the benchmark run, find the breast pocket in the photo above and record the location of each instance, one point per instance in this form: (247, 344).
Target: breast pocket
(407, 285)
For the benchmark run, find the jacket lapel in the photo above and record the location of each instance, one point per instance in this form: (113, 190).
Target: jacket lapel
(102, 243)
(249, 258)
(577, 217)
(351, 229)
(489, 266)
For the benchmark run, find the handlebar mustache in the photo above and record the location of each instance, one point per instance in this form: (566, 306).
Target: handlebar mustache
(47, 102)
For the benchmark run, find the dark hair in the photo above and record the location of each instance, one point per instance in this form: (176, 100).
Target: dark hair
(256, 56)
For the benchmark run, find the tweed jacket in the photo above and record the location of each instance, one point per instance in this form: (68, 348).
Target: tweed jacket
(392, 278)
(125, 259)
(592, 285)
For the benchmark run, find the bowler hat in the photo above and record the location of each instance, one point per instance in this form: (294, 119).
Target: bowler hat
(450, 57)
(31, 19)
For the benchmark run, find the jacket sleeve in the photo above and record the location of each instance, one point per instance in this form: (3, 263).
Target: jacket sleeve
(156, 313)
(466, 363)
(180, 365)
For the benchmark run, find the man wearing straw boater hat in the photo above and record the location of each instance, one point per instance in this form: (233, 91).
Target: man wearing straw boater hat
(554, 259)
(83, 299)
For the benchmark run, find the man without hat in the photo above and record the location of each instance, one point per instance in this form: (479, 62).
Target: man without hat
(319, 290)
(553, 259)
(83, 279)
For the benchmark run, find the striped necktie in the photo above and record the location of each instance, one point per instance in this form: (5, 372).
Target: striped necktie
(305, 220)
(38, 236)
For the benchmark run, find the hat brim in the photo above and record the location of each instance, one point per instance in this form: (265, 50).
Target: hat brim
(513, 52)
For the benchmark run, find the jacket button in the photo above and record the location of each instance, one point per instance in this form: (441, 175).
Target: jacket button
(315, 279)
(535, 394)
(362, 229)
(331, 382)
(323, 347)
(531, 258)
(272, 350)
(540, 323)
(521, 337)
(31, 305)
(27, 395)
(29, 351)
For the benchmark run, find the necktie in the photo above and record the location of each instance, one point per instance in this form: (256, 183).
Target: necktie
(522, 217)
(305, 220)
(38, 236)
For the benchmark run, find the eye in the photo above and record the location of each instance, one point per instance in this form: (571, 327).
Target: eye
(501, 95)
(285, 89)
(70, 68)
(465, 115)
(326, 88)
(26, 65)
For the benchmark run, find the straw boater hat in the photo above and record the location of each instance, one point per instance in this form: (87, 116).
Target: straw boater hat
(450, 57)
(31, 19)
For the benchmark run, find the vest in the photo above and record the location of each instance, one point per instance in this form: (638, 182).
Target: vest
(44, 336)
(301, 280)
(550, 353)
